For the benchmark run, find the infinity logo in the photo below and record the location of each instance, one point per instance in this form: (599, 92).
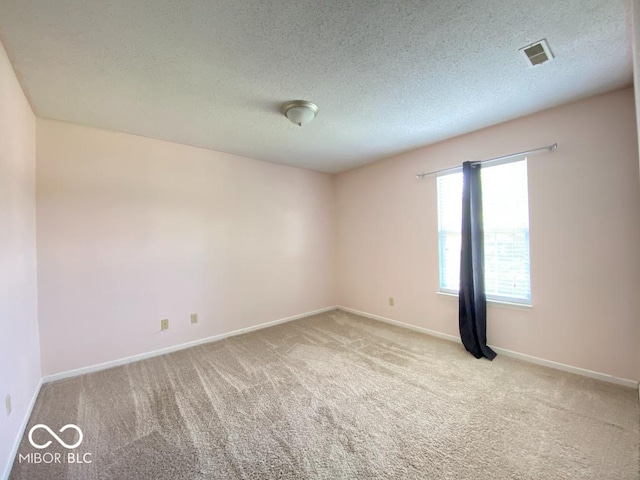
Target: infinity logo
(59, 440)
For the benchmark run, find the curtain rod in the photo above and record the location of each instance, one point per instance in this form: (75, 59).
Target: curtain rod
(547, 148)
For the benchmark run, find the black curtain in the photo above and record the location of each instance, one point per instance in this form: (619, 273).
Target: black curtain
(472, 299)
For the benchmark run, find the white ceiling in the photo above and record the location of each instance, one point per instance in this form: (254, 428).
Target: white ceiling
(387, 75)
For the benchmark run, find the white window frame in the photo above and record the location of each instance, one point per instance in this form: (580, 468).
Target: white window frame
(498, 299)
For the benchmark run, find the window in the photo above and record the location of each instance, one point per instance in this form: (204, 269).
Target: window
(506, 231)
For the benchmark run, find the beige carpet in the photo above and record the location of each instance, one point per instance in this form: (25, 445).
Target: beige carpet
(336, 396)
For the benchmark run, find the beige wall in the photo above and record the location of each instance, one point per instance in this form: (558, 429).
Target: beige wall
(133, 230)
(635, 7)
(19, 350)
(584, 233)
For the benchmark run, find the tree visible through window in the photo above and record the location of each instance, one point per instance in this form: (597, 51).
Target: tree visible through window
(505, 208)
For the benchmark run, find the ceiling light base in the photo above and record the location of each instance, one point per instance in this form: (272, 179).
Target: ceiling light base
(300, 112)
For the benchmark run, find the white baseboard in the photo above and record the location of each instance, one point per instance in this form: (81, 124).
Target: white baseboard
(23, 427)
(566, 368)
(174, 348)
(433, 333)
(507, 353)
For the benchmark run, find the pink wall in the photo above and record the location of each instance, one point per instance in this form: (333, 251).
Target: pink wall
(584, 234)
(133, 230)
(19, 349)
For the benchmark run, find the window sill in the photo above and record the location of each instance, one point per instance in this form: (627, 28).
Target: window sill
(496, 303)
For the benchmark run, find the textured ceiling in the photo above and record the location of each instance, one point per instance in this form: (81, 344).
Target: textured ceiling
(388, 76)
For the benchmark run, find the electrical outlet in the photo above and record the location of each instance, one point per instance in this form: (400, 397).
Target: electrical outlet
(392, 301)
(7, 404)
(194, 318)
(164, 324)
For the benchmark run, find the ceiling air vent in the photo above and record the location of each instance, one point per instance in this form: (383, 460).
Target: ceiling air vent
(537, 53)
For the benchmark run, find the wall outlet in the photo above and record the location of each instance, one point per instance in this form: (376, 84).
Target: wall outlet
(392, 301)
(7, 404)
(164, 324)
(194, 318)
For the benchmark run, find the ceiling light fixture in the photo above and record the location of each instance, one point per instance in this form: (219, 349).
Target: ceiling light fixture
(300, 112)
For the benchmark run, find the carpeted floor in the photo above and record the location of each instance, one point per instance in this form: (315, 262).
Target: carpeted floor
(335, 396)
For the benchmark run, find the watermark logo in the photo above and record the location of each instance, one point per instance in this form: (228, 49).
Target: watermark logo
(55, 457)
(58, 439)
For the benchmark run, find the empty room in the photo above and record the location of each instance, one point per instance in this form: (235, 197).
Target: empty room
(258, 239)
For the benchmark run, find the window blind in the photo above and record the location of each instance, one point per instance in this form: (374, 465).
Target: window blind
(505, 208)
